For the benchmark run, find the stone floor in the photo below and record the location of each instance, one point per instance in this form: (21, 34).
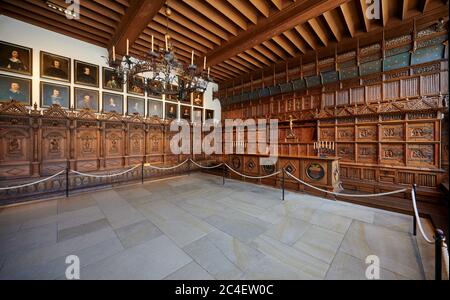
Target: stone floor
(193, 227)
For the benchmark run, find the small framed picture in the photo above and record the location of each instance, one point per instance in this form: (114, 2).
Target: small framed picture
(86, 74)
(86, 99)
(135, 106)
(15, 88)
(185, 113)
(55, 67)
(198, 99)
(171, 111)
(55, 94)
(16, 59)
(209, 114)
(198, 115)
(174, 96)
(112, 103)
(155, 108)
(136, 86)
(110, 81)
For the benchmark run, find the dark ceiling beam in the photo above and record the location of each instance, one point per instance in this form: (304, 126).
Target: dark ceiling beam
(137, 17)
(281, 21)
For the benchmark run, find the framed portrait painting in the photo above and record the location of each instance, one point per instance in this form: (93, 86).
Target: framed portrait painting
(135, 106)
(112, 103)
(135, 86)
(185, 113)
(86, 99)
(54, 94)
(86, 74)
(209, 114)
(16, 59)
(110, 81)
(198, 99)
(171, 111)
(155, 108)
(15, 88)
(55, 67)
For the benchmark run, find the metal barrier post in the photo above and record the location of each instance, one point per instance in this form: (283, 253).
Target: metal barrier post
(438, 239)
(282, 184)
(67, 182)
(142, 172)
(414, 217)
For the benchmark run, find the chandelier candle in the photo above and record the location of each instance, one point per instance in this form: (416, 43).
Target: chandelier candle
(192, 58)
(152, 42)
(128, 47)
(204, 63)
(114, 53)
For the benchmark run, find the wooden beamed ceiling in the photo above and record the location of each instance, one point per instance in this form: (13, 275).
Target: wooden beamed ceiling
(238, 37)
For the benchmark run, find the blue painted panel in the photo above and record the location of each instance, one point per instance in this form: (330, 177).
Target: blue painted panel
(313, 81)
(348, 73)
(370, 67)
(331, 76)
(397, 61)
(395, 51)
(264, 92)
(299, 84)
(427, 54)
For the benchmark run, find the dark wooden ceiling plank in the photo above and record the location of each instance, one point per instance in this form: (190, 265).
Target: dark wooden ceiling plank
(93, 15)
(186, 32)
(229, 12)
(48, 14)
(136, 19)
(113, 5)
(212, 14)
(297, 13)
(176, 36)
(84, 19)
(186, 11)
(25, 17)
(184, 21)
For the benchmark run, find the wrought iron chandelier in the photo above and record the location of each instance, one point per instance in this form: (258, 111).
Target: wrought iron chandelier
(160, 72)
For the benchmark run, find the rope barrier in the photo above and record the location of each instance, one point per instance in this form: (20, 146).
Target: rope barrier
(168, 168)
(31, 183)
(346, 195)
(104, 176)
(205, 167)
(252, 177)
(416, 214)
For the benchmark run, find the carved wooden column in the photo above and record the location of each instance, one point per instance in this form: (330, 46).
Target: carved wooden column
(125, 129)
(101, 142)
(36, 133)
(146, 144)
(72, 143)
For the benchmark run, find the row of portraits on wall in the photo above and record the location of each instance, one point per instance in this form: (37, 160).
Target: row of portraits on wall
(19, 59)
(19, 89)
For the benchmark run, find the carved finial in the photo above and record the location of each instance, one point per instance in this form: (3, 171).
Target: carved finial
(35, 106)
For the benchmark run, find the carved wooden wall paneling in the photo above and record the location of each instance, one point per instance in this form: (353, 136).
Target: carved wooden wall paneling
(41, 144)
(391, 136)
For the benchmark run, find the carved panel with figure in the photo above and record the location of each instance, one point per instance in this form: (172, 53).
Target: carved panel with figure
(114, 143)
(87, 144)
(392, 154)
(54, 143)
(421, 132)
(16, 145)
(420, 155)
